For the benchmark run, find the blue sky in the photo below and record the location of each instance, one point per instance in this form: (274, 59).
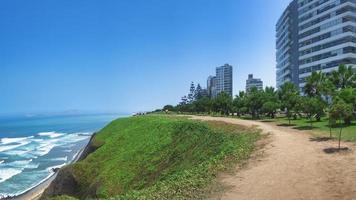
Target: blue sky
(127, 55)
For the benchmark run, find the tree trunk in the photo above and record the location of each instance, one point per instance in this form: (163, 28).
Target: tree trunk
(340, 138)
(330, 128)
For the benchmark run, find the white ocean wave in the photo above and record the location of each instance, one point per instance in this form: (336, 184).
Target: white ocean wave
(13, 146)
(16, 167)
(19, 152)
(32, 166)
(51, 134)
(7, 195)
(30, 188)
(30, 147)
(60, 159)
(37, 140)
(40, 146)
(44, 148)
(73, 138)
(19, 163)
(13, 140)
(85, 134)
(7, 173)
(27, 149)
(22, 164)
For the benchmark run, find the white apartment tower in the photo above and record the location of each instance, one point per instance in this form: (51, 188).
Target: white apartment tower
(326, 32)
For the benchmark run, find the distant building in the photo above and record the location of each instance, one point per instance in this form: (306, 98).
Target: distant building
(253, 82)
(204, 93)
(222, 81)
(210, 85)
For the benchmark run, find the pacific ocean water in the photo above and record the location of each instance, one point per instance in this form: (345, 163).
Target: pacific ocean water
(31, 147)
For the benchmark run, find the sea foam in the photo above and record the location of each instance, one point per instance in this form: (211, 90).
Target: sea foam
(60, 159)
(29, 151)
(51, 134)
(13, 146)
(13, 140)
(7, 173)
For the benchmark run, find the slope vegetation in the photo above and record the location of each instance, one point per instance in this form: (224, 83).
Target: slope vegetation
(155, 157)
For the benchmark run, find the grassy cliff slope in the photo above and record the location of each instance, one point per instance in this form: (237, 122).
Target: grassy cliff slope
(158, 157)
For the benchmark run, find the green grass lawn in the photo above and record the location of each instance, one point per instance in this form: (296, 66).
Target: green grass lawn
(160, 157)
(319, 128)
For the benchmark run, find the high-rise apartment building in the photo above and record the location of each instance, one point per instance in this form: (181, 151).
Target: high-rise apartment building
(222, 81)
(253, 82)
(315, 35)
(287, 46)
(211, 85)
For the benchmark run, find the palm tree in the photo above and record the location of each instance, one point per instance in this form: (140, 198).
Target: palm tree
(271, 92)
(315, 84)
(343, 77)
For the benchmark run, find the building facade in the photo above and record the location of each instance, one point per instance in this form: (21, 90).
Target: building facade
(326, 32)
(253, 82)
(224, 78)
(287, 54)
(210, 85)
(222, 81)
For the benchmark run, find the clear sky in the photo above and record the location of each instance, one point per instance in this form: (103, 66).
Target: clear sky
(128, 55)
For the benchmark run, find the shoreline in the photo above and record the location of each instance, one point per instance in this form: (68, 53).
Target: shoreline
(36, 192)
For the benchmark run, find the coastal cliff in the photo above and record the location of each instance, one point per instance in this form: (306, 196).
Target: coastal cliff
(153, 157)
(65, 183)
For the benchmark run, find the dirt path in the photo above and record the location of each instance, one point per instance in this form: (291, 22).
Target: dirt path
(294, 166)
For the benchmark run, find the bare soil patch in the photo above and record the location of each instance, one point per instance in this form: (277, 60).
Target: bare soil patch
(293, 165)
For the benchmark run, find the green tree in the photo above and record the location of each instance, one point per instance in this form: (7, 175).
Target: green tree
(198, 93)
(191, 93)
(270, 108)
(343, 77)
(254, 102)
(271, 102)
(223, 103)
(313, 107)
(203, 105)
(168, 108)
(289, 97)
(349, 96)
(239, 103)
(184, 100)
(315, 84)
(339, 111)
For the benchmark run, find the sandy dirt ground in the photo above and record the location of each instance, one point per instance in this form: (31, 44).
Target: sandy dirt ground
(294, 165)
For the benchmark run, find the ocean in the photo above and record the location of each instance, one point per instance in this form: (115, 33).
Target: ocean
(31, 147)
